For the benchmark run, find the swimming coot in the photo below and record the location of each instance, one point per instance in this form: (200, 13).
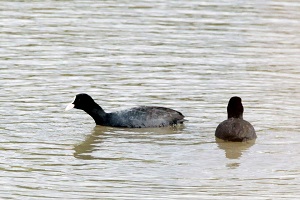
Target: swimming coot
(137, 117)
(235, 128)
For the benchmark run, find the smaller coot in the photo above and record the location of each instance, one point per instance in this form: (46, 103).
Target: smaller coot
(235, 128)
(137, 117)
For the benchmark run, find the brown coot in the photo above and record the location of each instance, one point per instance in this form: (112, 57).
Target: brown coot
(235, 128)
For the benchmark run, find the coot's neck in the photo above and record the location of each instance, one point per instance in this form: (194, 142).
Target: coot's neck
(235, 112)
(239, 116)
(97, 113)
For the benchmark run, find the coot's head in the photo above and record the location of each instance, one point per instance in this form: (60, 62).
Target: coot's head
(235, 108)
(82, 101)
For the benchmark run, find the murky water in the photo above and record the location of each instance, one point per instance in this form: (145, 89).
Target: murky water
(187, 55)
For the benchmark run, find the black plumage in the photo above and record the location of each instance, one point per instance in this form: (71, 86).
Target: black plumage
(137, 117)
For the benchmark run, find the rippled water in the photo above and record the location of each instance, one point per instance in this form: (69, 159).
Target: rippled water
(187, 55)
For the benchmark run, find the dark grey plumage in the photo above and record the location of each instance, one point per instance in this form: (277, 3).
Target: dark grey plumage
(137, 117)
(235, 128)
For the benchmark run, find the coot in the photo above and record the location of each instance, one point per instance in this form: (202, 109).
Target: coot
(137, 117)
(235, 128)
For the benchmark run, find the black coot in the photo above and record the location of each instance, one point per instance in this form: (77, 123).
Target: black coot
(137, 117)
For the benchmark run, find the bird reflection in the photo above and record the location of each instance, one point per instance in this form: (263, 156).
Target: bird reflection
(234, 150)
(85, 148)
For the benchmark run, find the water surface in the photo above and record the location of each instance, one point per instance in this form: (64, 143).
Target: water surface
(190, 56)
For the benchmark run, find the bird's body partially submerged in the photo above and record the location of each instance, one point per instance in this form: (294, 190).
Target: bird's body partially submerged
(137, 117)
(235, 128)
(145, 116)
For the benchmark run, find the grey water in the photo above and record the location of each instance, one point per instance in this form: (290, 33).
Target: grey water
(191, 56)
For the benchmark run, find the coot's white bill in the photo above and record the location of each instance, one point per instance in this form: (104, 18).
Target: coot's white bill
(70, 106)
